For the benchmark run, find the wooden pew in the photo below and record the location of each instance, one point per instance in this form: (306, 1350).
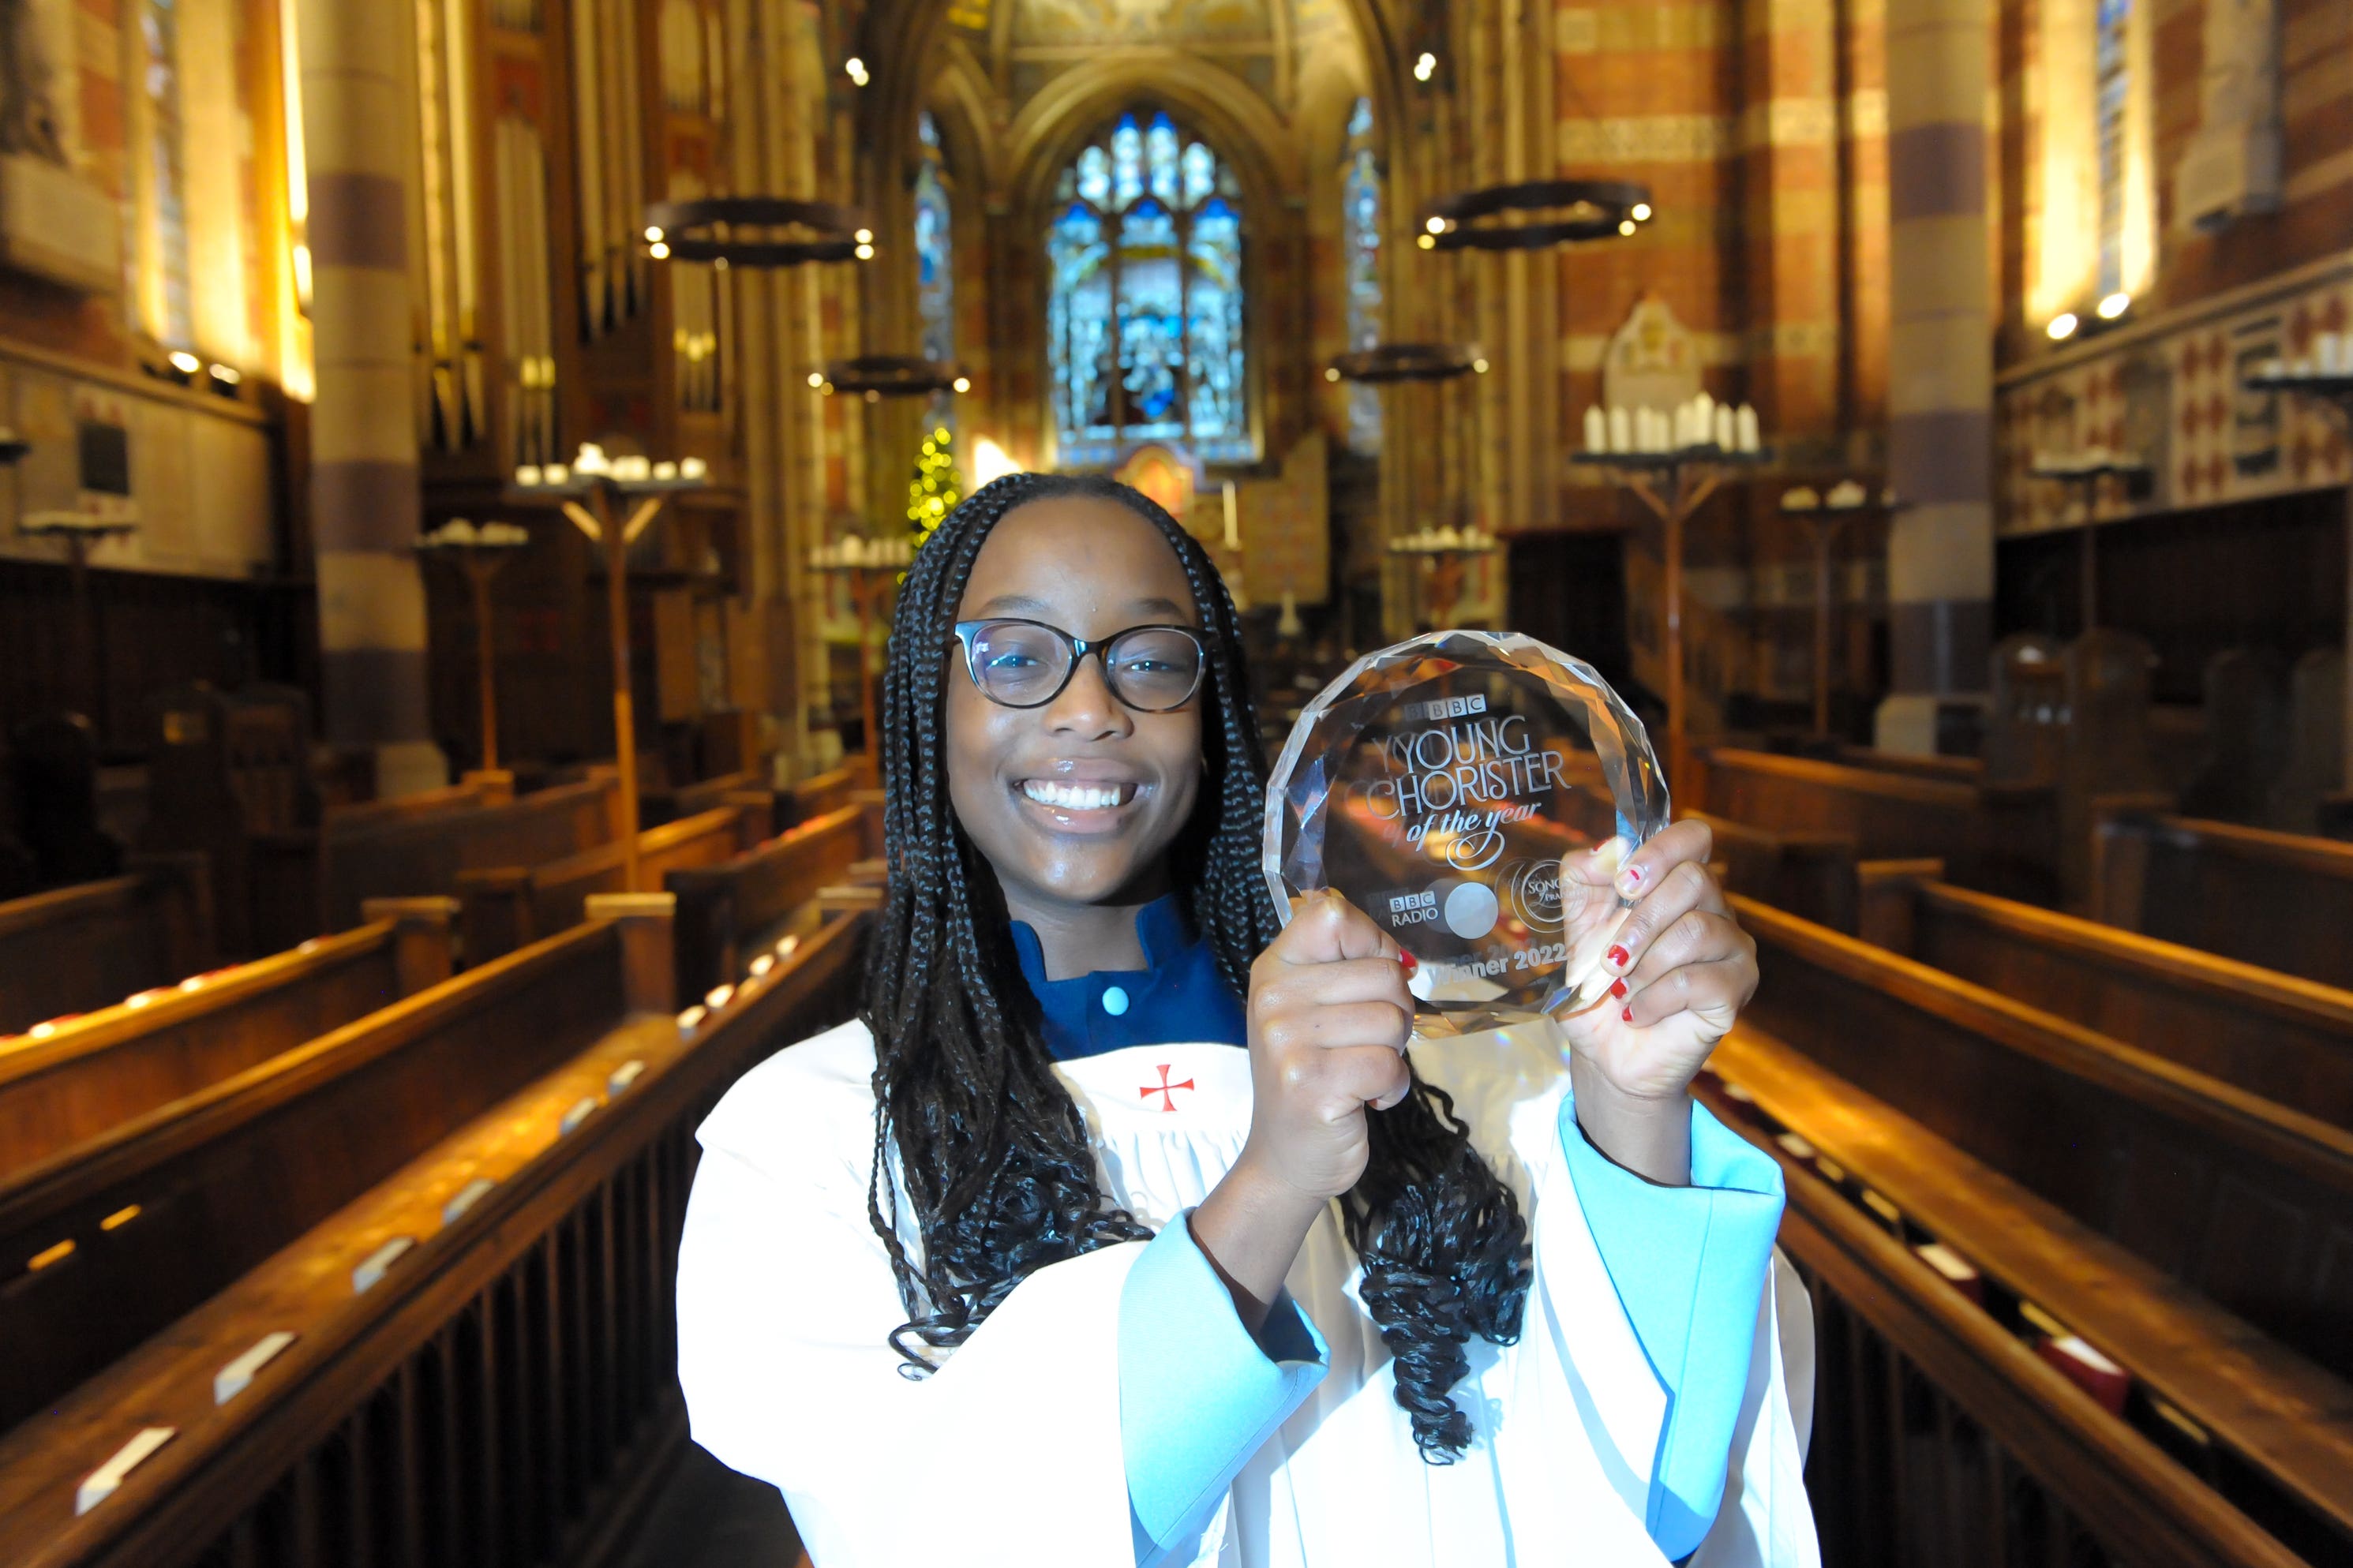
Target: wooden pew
(2247, 1202)
(668, 803)
(2281, 901)
(508, 907)
(507, 1392)
(287, 870)
(2000, 838)
(2286, 1039)
(821, 793)
(164, 1210)
(74, 1081)
(729, 912)
(75, 948)
(1936, 1281)
(423, 856)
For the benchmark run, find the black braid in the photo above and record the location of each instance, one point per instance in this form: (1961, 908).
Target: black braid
(991, 1148)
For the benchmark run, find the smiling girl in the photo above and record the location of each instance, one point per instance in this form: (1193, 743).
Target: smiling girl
(1121, 1228)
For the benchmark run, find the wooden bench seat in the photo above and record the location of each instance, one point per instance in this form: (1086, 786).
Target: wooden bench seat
(102, 1245)
(2282, 900)
(78, 1079)
(508, 907)
(2000, 838)
(2287, 1039)
(668, 803)
(729, 912)
(2282, 1427)
(73, 949)
(507, 1392)
(397, 856)
(821, 794)
(2247, 1202)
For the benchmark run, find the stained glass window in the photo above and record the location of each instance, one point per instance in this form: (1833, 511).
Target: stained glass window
(1144, 320)
(166, 286)
(1360, 244)
(2111, 65)
(934, 259)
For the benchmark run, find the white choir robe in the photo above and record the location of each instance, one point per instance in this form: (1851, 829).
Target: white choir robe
(1011, 1453)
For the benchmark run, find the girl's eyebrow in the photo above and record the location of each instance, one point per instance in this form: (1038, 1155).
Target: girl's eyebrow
(1023, 604)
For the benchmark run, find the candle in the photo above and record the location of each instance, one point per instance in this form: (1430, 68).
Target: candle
(1744, 426)
(1621, 431)
(1234, 526)
(665, 470)
(1704, 419)
(556, 473)
(526, 474)
(1727, 432)
(1597, 428)
(692, 468)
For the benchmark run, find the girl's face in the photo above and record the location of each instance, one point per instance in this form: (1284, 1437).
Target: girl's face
(1074, 803)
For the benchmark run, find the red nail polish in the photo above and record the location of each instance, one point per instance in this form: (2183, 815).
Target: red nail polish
(1633, 874)
(1618, 989)
(1627, 1014)
(1407, 960)
(1619, 958)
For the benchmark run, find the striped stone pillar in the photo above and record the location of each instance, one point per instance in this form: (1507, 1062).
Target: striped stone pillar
(1940, 366)
(365, 498)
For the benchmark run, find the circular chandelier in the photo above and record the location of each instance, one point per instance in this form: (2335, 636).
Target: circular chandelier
(1580, 210)
(889, 375)
(757, 231)
(1386, 363)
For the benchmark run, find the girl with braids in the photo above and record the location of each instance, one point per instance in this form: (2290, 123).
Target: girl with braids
(1119, 1228)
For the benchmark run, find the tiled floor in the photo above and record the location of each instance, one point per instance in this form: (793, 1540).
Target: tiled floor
(707, 1516)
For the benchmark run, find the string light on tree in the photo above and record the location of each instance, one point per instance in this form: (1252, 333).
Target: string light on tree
(936, 487)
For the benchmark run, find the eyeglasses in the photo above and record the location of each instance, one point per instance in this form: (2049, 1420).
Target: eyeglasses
(1026, 664)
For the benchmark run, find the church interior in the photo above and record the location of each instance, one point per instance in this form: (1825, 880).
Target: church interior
(461, 456)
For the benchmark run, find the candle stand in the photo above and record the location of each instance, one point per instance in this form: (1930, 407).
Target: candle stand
(1824, 515)
(82, 532)
(870, 567)
(1673, 483)
(2081, 475)
(1444, 555)
(613, 502)
(479, 553)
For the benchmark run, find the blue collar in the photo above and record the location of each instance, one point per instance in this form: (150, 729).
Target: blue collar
(1179, 997)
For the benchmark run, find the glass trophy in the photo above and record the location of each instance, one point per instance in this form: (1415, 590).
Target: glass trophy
(1436, 786)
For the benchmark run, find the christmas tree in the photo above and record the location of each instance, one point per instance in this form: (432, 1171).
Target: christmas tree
(936, 487)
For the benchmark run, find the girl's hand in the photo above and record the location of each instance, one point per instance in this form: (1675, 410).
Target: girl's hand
(1329, 1017)
(1673, 972)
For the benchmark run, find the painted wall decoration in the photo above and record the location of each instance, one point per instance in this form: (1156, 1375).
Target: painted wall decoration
(2176, 401)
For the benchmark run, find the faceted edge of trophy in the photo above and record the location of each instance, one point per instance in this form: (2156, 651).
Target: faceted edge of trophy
(1527, 653)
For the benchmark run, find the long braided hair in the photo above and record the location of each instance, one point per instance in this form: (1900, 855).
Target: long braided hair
(992, 1151)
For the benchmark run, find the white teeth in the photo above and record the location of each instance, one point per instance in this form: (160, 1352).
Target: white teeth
(1076, 797)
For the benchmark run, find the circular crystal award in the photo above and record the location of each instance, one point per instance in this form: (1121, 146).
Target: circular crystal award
(1436, 786)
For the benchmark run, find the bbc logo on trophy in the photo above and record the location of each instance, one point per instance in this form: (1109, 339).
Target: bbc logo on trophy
(1436, 786)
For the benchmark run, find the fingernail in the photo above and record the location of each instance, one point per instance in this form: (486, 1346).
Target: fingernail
(1407, 960)
(1627, 1014)
(1619, 958)
(1631, 878)
(1618, 989)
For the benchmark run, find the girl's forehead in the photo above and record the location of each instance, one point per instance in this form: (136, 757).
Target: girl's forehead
(1080, 557)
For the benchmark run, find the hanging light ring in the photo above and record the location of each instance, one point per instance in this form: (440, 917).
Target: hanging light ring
(891, 375)
(1386, 363)
(690, 231)
(1587, 209)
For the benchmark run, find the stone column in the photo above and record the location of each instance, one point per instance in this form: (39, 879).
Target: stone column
(1940, 366)
(358, 130)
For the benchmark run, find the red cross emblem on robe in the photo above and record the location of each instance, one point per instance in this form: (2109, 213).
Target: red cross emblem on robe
(1164, 1088)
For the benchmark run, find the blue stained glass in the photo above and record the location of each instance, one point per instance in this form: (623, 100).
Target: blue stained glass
(1200, 173)
(1145, 325)
(934, 259)
(2112, 68)
(1094, 175)
(1160, 152)
(1126, 162)
(1360, 225)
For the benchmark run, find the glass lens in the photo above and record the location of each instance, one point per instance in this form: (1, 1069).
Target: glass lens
(1019, 666)
(1154, 668)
